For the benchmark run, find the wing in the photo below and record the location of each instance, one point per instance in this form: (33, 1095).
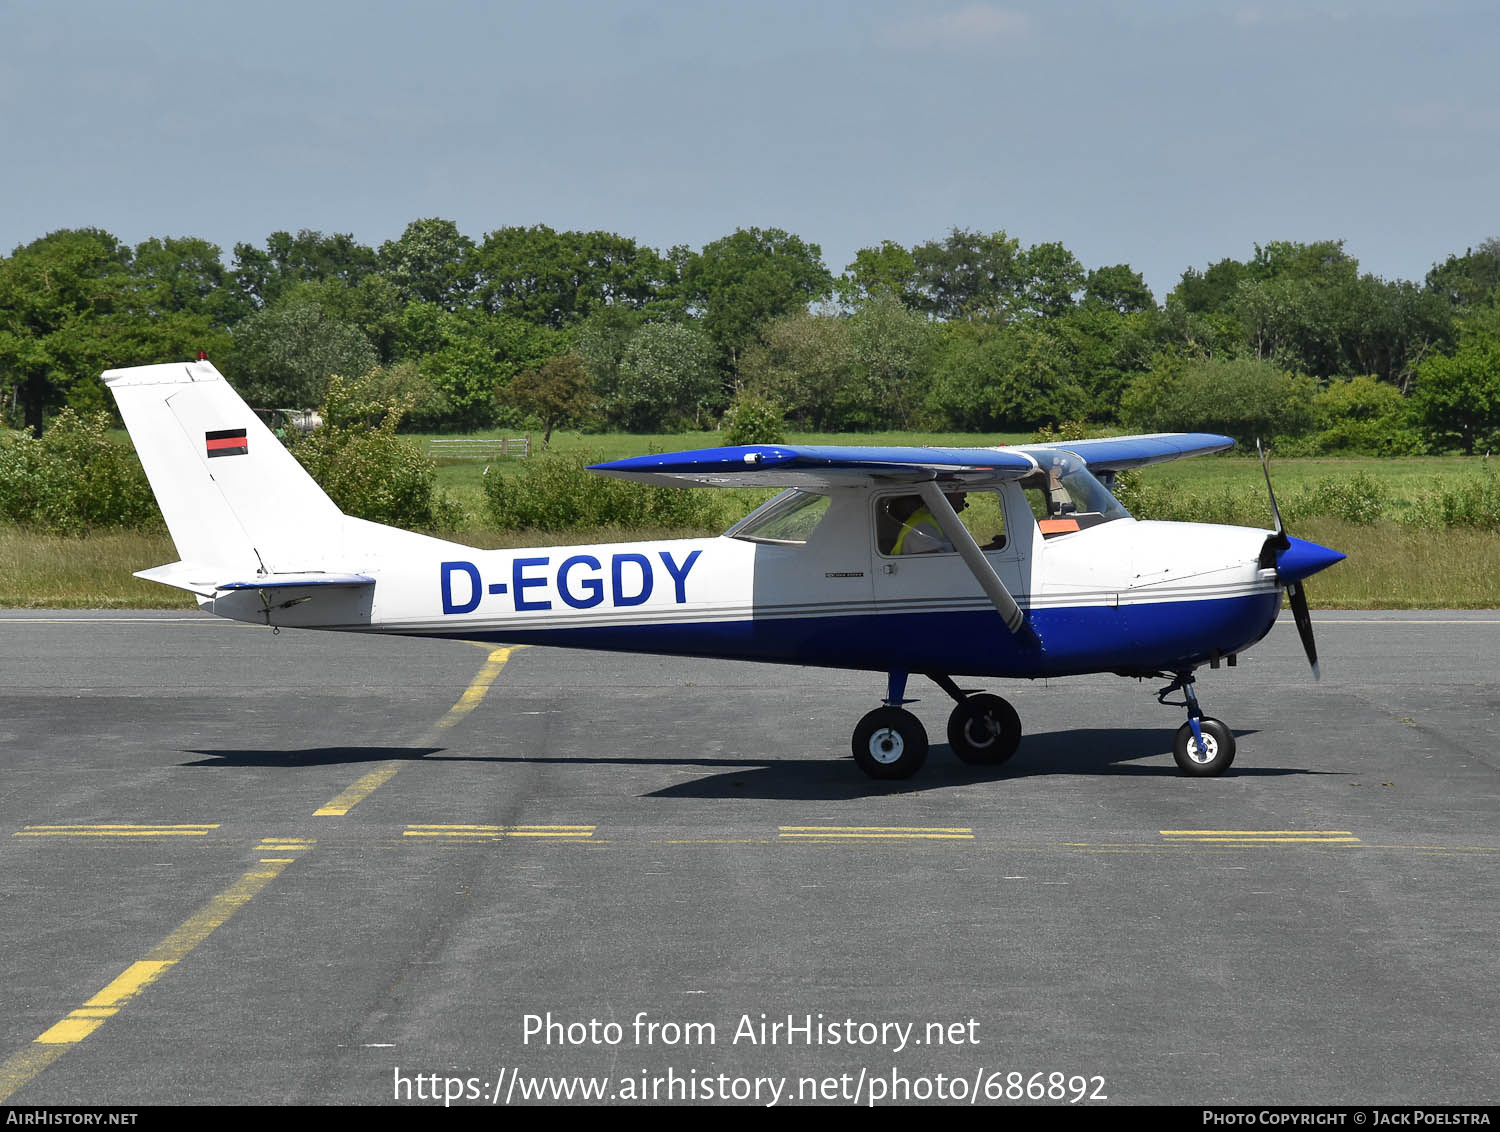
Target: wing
(814, 466)
(1117, 453)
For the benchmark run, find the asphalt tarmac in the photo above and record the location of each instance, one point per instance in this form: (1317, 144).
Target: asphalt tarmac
(316, 868)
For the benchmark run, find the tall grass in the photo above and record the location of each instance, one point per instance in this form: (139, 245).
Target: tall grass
(42, 571)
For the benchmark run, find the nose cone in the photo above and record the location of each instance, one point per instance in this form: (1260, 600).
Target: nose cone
(1301, 559)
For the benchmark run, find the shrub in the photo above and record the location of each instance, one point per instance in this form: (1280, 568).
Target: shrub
(1240, 397)
(365, 468)
(1472, 504)
(74, 479)
(753, 419)
(557, 492)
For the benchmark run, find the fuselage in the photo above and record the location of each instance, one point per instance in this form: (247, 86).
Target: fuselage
(1123, 596)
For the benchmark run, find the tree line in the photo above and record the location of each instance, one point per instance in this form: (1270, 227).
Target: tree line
(970, 331)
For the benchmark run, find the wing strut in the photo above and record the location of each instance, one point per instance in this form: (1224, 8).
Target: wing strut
(973, 557)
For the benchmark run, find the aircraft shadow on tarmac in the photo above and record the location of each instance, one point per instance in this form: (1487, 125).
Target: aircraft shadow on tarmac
(1079, 751)
(310, 756)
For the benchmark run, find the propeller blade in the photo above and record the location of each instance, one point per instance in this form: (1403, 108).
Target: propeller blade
(1298, 599)
(1281, 539)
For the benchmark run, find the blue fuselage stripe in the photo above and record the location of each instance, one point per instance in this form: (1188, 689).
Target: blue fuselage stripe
(1129, 638)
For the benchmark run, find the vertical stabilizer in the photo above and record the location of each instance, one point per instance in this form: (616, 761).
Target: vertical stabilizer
(230, 493)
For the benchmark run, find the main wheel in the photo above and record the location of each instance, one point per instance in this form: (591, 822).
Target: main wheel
(1217, 752)
(890, 742)
(984, 730)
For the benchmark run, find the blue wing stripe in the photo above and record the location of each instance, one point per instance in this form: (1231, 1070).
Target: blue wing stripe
(772, 457)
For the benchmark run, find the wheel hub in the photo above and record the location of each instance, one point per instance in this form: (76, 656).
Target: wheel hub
(886, 745)
(1207, 753)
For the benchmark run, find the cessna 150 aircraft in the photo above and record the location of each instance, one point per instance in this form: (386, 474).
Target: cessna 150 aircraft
(1011, 562)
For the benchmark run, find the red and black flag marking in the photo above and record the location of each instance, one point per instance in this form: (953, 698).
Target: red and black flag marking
(227, 442)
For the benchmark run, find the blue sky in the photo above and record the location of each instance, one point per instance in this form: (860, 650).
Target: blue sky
(1163, 135)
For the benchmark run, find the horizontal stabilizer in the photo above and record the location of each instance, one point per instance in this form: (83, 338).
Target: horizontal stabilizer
(206, 580)
(283, 581)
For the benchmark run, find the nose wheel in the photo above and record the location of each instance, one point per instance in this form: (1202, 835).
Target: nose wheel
(1203, 746)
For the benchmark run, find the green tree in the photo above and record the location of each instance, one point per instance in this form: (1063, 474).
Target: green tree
(284, 355)
(1363, 416)
(366, 469)
(887, 269)
(1016, 376)
(803, 363)
(742, 281)
(475, 355)
(1241, 397)
(1119, 288)
(1050, 278)
(432, 262)
(667, 377)
(556, 279)
(261, 276)
(1458, 395)
(558, 393)
(969, 273)
(59, 297)
(1469, 280)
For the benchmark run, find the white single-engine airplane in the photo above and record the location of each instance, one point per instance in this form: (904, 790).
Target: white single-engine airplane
(863, 562)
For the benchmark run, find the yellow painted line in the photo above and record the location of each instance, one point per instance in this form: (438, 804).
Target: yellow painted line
(496, 828)
(1272, 840)
(130, 825)
(116, 830)
(340, 806)
(59, 1038)
(1254, 832)
(357, 793)
(876, 829)
(1442, 848)
(474, 694)
(877, 837)
(494, 832)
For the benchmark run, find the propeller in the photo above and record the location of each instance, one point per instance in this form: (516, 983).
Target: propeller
(1295, 559)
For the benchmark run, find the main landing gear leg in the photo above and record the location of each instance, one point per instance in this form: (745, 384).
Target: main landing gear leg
(890, 742)
(1203, 746)
(984, 730)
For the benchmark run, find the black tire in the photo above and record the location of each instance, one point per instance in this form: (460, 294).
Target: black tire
(890, 743)
(984, 730)
(1218, 742)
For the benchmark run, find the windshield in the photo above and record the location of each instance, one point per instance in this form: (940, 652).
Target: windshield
(787, 520)
(1066, 497)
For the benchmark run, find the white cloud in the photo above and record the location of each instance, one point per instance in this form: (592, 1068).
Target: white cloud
(975, 27)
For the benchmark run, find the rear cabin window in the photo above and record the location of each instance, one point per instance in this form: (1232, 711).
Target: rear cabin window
(903, 525)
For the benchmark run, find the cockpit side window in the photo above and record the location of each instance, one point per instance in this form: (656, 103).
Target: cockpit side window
(1066, 497)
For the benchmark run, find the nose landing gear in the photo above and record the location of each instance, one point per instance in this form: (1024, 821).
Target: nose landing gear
(1203, 746)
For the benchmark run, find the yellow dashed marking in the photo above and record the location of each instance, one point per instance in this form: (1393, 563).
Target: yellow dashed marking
(1261, 836)
(117, 829)
(460, 833)
(874, 833)
(62, 1036)
(473, 695)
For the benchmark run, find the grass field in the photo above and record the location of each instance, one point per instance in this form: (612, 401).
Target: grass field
(1391, 565)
